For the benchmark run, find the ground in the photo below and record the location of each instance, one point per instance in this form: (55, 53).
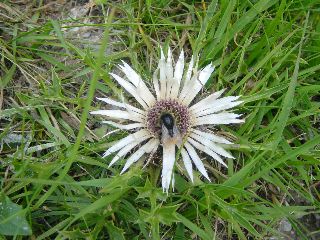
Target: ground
(55, 59)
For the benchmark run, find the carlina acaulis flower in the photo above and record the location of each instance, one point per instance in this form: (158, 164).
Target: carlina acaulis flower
(166, 118)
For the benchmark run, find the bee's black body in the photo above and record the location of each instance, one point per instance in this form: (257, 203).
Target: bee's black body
(168, 122)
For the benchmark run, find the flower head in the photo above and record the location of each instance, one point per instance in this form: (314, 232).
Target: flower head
(169, 118)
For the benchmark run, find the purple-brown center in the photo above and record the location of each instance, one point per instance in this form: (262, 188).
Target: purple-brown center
(179, 112)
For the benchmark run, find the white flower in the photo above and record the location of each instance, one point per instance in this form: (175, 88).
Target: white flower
(168, 118)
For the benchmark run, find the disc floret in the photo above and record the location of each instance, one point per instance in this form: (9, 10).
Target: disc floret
(178, 111)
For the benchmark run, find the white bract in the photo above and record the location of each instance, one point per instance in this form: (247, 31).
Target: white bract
(168, 118)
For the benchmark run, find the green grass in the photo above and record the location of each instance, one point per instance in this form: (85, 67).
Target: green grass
(54, 183)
